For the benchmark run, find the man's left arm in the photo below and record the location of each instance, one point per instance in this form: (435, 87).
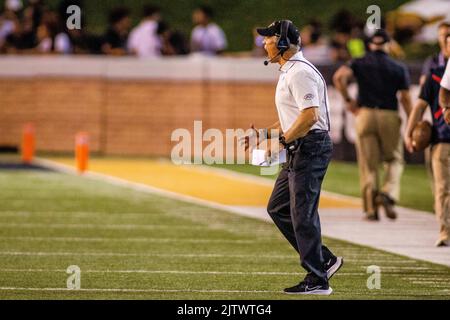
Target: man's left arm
(302, 125)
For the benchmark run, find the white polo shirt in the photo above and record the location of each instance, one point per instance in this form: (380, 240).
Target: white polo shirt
(445, 83)
(301, 86)
(209, 39)
(144, 40)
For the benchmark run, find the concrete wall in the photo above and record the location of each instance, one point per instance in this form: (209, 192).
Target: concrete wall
(131, 106)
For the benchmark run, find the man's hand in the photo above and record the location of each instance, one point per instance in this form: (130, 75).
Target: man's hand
(409, 144)
(447, 116)
(352, 106)
(247, 139)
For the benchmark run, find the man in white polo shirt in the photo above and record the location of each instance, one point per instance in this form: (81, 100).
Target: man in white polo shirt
(207, 37)
(144, 40)
(303, 129)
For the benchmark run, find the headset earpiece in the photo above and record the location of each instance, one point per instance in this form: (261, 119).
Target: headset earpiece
(283, 42)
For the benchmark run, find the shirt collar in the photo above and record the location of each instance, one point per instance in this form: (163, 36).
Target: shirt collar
(290, 63)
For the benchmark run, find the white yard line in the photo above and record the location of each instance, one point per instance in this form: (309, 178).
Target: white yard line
(166, 255)
(250, 273)
(134, 185)
(98, 226)
(369, 260)
(219, 291)
(150, 240)
(134, 290)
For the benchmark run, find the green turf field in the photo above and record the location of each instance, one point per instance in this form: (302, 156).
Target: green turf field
(131, 244)
(343, 178)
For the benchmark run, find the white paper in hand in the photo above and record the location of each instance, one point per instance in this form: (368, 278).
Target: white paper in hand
(259, 158)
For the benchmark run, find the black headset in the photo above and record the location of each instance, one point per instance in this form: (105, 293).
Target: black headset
(283, 42)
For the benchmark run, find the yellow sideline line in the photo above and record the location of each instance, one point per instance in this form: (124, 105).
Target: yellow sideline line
(187, 180)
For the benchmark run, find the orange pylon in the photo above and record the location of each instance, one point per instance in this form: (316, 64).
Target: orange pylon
(82, 151)
(28, 143)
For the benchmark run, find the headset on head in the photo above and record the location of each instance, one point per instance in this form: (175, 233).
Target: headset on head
(283, 42)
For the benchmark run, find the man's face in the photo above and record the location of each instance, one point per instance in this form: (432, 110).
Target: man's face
(199, 17)
(270, 45)
(442, 33)
(124, 25)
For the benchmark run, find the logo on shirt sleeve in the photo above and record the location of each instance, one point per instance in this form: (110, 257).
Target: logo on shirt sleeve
(308, 96)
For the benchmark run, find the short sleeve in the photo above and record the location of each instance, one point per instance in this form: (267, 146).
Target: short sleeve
(132, 42)
(405, 80)
(305, 89)
(426, 67)
(445, 83)
(425, 91)
(219, 39)
(354, 65)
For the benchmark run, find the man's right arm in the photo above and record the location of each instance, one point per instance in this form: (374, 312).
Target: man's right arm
(425, 71)
(414, 117)
(274, 127)
(267, 132)
(341, 79)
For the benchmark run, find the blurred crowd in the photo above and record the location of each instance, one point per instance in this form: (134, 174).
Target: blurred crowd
(30, 27)
(347, 39)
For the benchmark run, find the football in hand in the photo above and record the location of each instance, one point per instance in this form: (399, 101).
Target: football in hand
(421, 135)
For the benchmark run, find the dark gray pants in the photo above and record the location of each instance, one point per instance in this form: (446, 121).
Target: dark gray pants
(293, 205)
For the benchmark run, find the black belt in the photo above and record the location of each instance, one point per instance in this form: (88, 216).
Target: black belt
(314, 131)
(291, 147)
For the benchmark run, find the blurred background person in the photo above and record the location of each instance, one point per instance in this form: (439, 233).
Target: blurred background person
(7, 19)
(174, 42)
(258, 44)
(379, 78)
(440, 144)
(82, 41)
(33, 13)
(314, 47)
(207, 37)
(115, 38)
(144, 40)
(439, 59)
(340, 25)
(51, 37)
(22, 39)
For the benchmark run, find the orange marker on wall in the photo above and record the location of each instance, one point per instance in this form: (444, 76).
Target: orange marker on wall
(82, 151)
(28, 143)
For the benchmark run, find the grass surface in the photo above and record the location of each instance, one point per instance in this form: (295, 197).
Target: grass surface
(131, 244)
(343, 178)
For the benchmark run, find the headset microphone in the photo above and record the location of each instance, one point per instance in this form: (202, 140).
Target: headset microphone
(266, 63)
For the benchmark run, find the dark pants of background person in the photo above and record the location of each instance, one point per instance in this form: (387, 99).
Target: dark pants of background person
(293, 205)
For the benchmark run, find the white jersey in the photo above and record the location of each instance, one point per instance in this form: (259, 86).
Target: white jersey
(301, 86)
